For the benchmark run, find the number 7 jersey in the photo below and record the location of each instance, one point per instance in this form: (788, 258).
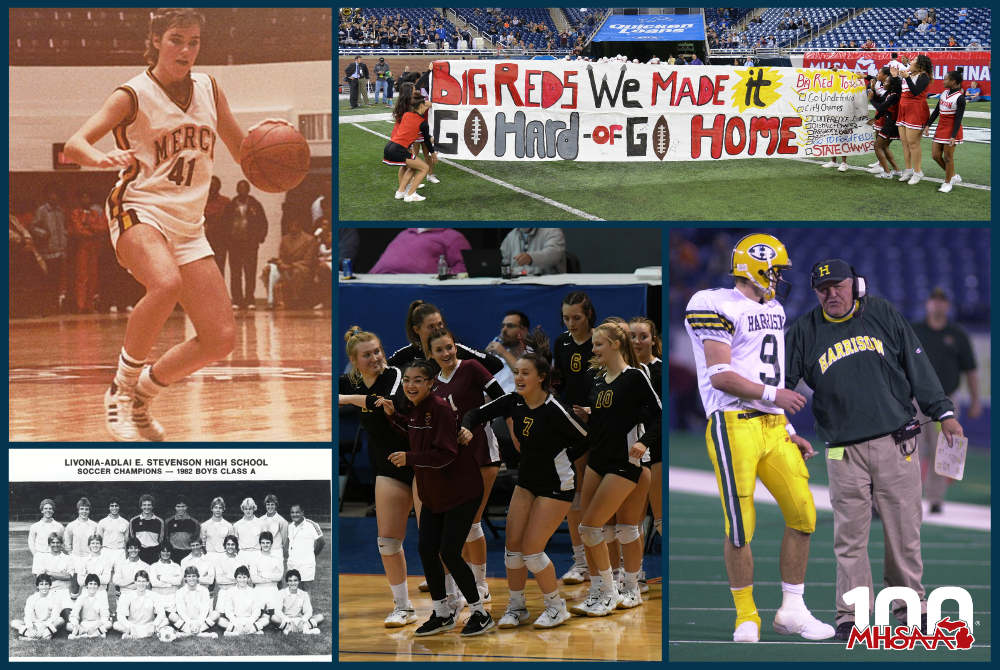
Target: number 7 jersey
(755, 334)
(174, 147)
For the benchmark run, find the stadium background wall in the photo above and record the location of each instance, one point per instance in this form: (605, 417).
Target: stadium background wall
(396, 64)
(314, 496)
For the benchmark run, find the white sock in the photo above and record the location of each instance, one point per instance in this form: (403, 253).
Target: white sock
(659, 526)
(441, 608)
(579, 555)
(607, 581)
(477, 607)
(148, 386)
(450, 587)
(480, 572)
(129, 368)
(631, 580)
(552, 599)
(517, 598)
(791, 594)
(399, 595)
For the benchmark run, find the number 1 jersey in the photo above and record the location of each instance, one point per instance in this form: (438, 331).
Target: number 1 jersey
(754, 332)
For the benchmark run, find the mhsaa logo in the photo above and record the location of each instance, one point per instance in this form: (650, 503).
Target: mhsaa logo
(762, 252)
(951, 634)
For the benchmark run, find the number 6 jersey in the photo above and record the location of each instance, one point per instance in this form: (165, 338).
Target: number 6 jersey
(174, 147)
(754, 332)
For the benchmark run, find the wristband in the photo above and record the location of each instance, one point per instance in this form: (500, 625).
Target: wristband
(789, 429)
(717, 369)
(770, 393)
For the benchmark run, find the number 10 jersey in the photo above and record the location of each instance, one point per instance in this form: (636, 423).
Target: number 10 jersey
(754, 332)
(174, 148)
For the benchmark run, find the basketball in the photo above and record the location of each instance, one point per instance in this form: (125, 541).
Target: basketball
(275, 157)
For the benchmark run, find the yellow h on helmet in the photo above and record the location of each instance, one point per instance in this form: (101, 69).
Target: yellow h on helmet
(760, 258)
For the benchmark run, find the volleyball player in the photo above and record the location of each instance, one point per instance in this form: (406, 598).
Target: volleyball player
(462, 384)
(410, 124)
(913, 115)
(619, 394)
(91, 615)
(545, 486)
(192, 613)
(215, 531)
(39, 533)
(75, 543)
(951, 107)
(395, 491)
(450, 489)
(142, 615)
(125, 571)
(885, 99)
(570, 351)
(238, 611)
(166, 122)
(421, 319)
(41, 612)
(148, 529)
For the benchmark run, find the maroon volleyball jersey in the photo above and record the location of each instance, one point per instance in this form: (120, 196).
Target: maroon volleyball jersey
(463, 391)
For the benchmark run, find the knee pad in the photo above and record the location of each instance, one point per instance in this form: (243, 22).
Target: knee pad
(513, 559)
(475, 532)
(387, 546)
(592, 535)
(626, 533)
(536, 562)
(577, 504)
(609, 533)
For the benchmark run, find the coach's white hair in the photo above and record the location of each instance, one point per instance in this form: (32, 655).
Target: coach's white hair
(248, 503)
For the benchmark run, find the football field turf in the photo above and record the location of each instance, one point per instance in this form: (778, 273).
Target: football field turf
(762, 189)
(270, 644)
(700, 607)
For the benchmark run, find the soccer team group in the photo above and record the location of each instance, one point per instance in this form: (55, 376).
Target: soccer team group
(172, 578)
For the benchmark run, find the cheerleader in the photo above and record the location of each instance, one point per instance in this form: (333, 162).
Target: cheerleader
(885, 99)
(422, 318)
(462, 385)
(545, 486)
(395, 492)
(951, 107)
(570, 351)
(410, 124)
(913, 114)
(619, 394)
(451, 490)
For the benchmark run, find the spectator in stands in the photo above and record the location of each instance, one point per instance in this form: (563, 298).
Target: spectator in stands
(87, 228)
(932, 25)
(294, 271)
(216, 224)
(923, 26)
(905, 28)
(869, 45)
(404, 36)
(973, 92)
(695, 60)
(932, 15)
(417, 250)
(852, 45)
(806, 24)
(422, 39)
(49, 232)
(248, 225)
(770, 42)
(974, 45)
(535, 251)
(963, 15)
(343, 33)
(952, 43)
(798, 14)
(921, 14)
(440, 35)
(842, 45)
(891, 44)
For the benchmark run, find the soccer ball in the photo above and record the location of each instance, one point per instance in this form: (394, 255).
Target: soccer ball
(167, 634)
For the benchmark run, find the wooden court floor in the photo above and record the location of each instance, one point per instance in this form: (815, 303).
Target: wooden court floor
(627, 635)
(277, 385)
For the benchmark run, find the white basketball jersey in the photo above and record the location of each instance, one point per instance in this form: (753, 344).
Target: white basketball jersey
(174, 148)
(755, 334)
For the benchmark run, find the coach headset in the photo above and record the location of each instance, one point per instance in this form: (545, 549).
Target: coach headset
(859, 293)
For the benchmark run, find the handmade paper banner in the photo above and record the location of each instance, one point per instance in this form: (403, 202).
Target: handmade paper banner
(573, 110)
(975, 64)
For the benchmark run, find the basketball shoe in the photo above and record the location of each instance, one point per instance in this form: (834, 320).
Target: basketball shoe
(118, 415)
(478, 623)
(401, 616)
(515, 615)
(435, 626)
(630, 598)
(577, 574)
(606, 603)
(553, 616)
(582, 609)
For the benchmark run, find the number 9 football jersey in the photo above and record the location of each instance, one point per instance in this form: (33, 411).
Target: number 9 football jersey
(755, 334)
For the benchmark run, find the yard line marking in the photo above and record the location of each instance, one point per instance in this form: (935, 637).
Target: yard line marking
(756, 583)
(498, 182)
(978, 115)
(865, 169)
(831, 559)
(360, 118)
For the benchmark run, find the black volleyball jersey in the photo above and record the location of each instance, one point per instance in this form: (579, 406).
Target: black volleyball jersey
(389, 384)
(413, 351)
(616, 410)
(571, 359)
(544, 433)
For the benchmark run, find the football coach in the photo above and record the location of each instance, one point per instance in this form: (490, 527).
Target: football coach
(865, 365)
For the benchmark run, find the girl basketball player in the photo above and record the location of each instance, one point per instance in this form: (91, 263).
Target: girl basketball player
(951, 107)
(421, 319)
(570, 350)
(544, 491)
(913, 114)
(450, 489)
(461, 384)
(619, 394)
(395, 491)
(410, 123)
(165, 122)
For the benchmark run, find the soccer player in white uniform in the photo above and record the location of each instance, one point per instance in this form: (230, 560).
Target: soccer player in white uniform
(277, 525)
(41, 612)
(225, 567)
(142, 615)
(76, 543)
(91, 615)
(265, 573)
(305, 541)
(198, 559)
(738, 338)
(113, 530)
(38, 535)
(98, 563)
(247, 530)
(191, 614)
(238, 610)
(164, 578)
(60, 568)
(125, 571)
(166, 122)
(215, 531)
(295, 613)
